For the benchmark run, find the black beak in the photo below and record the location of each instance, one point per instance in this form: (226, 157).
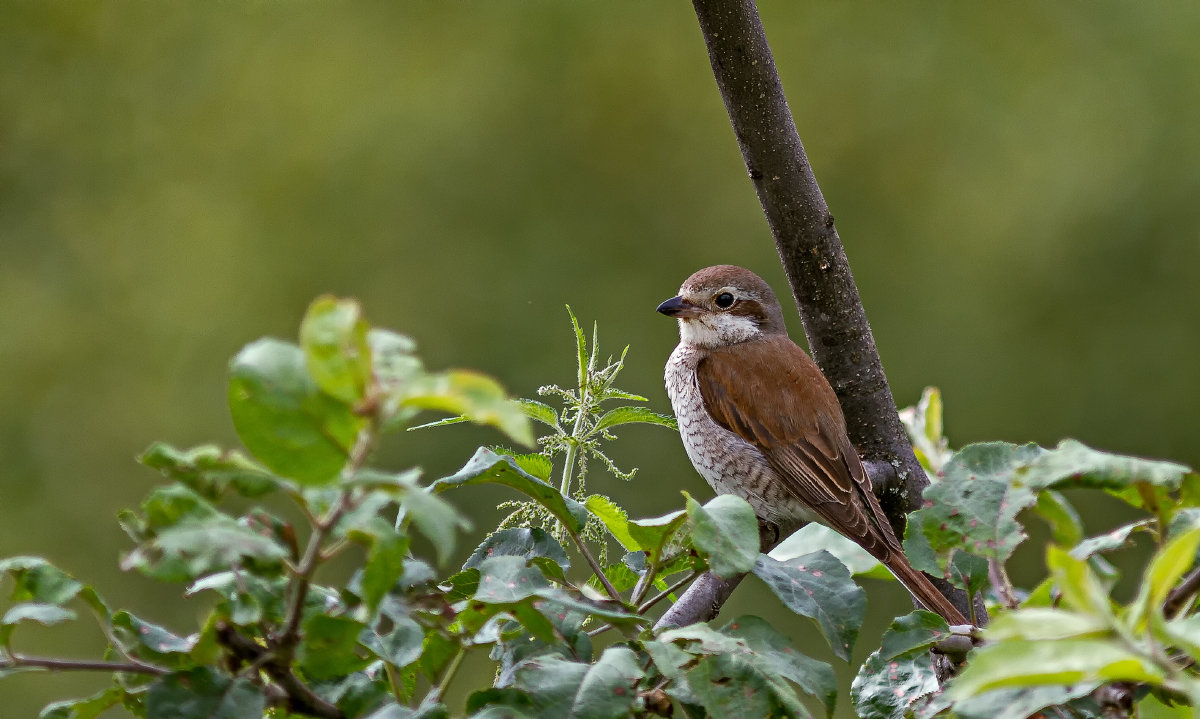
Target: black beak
(679, 308)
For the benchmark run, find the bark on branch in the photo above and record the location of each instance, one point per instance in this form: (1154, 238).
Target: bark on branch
(813, 258)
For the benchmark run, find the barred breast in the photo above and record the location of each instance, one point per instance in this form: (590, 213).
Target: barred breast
(727, 462)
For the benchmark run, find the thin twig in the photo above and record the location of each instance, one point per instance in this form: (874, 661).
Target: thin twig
(1001, 584)
(286, 641)
(437, 691)
(596, 568)
(81, 665)
(1180, 595)
(643, 608)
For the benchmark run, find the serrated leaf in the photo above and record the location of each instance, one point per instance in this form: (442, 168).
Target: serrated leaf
(818, 586)
(974, 507)
(1074, 464)
(487, 467)
(633, 414)
(729, 686)
(37, 580)
(774, 654)
(284, 418)
(539, 465)
(725, 532)
(539, 412)
(1023, 663)
(333, 335)
(524, 542)
(608, 689)
(203, 694)
(193, 548)
(813, 537)
(614, 518)
(210, 470)
(887, 688)
(329, 647)
(914, 632)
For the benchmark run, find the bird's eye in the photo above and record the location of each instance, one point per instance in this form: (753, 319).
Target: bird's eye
(724, 300)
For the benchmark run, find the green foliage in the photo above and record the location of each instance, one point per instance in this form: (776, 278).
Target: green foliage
(571, 634)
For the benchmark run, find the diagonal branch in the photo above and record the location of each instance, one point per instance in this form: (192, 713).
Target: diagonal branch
(814, 260)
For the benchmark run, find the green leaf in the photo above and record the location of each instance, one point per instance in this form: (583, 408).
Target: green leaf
(283, 417)
(901, 671)
(550, 682)
(774, 654)
(437, 519)
(656, 533)
(333, 336)
(1044, 623)
(1073, 464)
(193, 548)
(1107, 542)
(469, 394)
(614, 518)
(329, 647)
(151, 642)
(725, 532)
(1166, 568)
(581, 349)
(524, 542)
(973, 507)
(85, 708)
(818, 586)
(633, 414)
(1066, 529)
(730, 686)
(887, 688)
(487, 467)
(539, 465)
(813, 536)
(46, 614)
(36, 580)
(203, 694)
(1024, 663)
(539, 412)
(1081, 589)
(1016, 703)
(608, 689)
(503, 580)
(383, 567)
(210, 470)
(400, 646)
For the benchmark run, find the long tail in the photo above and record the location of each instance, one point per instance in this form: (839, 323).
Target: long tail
(921, 588)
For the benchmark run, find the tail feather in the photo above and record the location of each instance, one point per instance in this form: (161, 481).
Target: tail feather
(921, 588)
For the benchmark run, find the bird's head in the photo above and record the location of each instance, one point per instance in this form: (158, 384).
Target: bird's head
(724, 305)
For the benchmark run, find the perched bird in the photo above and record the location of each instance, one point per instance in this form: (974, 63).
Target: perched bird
(759, 420)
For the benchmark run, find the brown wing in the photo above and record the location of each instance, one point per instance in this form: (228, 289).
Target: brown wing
(770, 393)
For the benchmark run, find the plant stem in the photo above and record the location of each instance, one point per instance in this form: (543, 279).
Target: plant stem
(286, 641)
(439, 690)
(67, 665)
(596, 568)
(643, 608)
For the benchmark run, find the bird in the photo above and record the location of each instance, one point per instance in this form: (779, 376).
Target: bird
(759, 420)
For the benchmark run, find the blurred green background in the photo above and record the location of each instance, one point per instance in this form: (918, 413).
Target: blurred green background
(1017, 185)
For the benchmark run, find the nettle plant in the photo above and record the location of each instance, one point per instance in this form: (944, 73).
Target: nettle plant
(580, 641)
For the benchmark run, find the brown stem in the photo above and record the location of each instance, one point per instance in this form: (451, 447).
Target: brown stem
(1182, 594)
(294, 694)
(815, 262)
(81, 665)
